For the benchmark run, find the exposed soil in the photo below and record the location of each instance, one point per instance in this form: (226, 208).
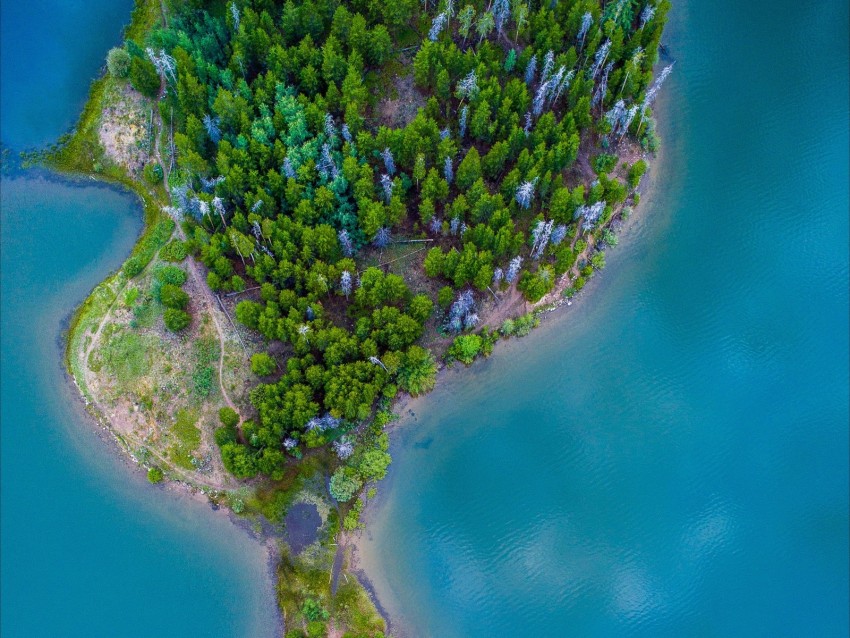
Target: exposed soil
(125, 129)
(399, 110)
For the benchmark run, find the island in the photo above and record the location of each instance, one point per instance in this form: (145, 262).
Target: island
(341, 198)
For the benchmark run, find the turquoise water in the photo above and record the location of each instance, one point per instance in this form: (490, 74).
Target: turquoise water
(669, 456)
(89, 548)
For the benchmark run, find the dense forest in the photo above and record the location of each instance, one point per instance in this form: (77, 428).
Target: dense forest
(291, 179)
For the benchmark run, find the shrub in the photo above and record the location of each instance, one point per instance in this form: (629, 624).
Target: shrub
(465, 348)
(445, 297)
(229, 417)
(153, 173)
(418, 372)
(535, 285)
(176, 320)
(155, 475)
(373, 464)
(133, 266)
(313, 610)
(524, 324)
(118, 62)
(604, 163)
(598, 260)
(173, 297)
(225, 435)
(238, 460)
(262, 364)
(344, 484)
(636, 172)
(174, 250)
(352, 518)
(170, 275)
(316, 629)
(144, 78)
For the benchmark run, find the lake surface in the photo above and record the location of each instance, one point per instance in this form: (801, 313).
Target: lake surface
(89, 548)
(669, 456)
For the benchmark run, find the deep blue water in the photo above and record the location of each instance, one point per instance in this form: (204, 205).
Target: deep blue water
(669, 456)
(89, 548)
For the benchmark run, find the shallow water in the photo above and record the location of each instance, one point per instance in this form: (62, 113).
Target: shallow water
(668, 457)
(89, 548)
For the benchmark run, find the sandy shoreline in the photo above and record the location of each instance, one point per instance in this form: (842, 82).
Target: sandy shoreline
(361, 563)
(265, 539)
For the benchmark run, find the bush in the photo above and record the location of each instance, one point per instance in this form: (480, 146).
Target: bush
(170, 275)
(598, 260)
(173, 297)
(418, 372)
(238, 460)
(174, 250)
(262, 364)
(604, 163)
(225, 435)
(535, 285)
(525, 324)
(229, 417)
(155, 475)
(352, 519)
(636, 172)
(133, 266)
(344, 484)
(313, 610)
(118, 62)
(153, 173)
(176, 320)
(144, 78)
(316, 629)
(465, 348)
(445, 297)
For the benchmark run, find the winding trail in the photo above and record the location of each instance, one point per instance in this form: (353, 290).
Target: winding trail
(208, 303)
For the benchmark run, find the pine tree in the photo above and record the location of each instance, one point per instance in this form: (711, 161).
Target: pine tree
(345, 283)
(437, 25)
(524, 193)
(211, 125)
(448, 170)
(345, 243)
(387, 186)
(513, 269)
(531, 70)
(389, 162)
(466, 18)
(381, 238)
(586, 22)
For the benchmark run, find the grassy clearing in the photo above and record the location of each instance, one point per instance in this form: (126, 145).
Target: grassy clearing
(126, 356)
(188, 437)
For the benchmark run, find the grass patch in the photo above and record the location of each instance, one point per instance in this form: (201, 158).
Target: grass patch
(188, 438)
(146, 313)
(206, 352)
(185, 429)
(126, 356)
(202, 381)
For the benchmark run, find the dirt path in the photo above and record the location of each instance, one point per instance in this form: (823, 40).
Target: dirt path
(191, 478)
